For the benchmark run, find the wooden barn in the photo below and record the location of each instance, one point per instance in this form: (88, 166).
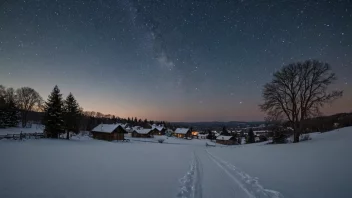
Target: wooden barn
(109, 132)
(142, 133)
(226, 140)
(183, 132)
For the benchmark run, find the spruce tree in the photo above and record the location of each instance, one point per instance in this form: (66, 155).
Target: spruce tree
(250, 137)
(2, 107)
(225, 131)
(12, 114)
(53, 117)
(2, 113)
(71, 115)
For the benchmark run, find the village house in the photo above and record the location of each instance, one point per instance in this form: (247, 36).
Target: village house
(262, 132)
(226, 140)
(158, 130)
(142, 133)
(169, 132)
(183, 132)
(109, 132)
(195, 134)
(202, 136)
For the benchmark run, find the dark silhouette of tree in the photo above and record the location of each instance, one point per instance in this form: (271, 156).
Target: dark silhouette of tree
(27, 100)
(250, 137)
(72, 115)
(12, 114)
(211, 135)
(135, 120)
(2, 107)
(225, 131)
(9, 114)
(298, 91)
(53, 117)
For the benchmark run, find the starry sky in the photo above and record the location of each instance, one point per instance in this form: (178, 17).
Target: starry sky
(184, 60)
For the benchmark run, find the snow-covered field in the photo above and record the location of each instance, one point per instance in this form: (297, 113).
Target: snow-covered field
(177, 168)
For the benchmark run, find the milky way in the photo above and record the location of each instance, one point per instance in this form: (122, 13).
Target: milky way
(180, 60)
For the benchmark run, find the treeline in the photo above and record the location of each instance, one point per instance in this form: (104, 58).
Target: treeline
(328, 123)
(91, 119)
(16, 104)
(58, 115)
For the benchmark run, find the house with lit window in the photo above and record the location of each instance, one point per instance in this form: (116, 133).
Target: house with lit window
(158, 129)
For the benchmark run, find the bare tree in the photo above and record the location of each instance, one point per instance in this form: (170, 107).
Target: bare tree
(10, 94)
(27, 100)
(298, 91)
(2, 90)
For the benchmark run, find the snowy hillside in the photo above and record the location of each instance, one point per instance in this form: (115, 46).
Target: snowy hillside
(320, 167)
(181, 168)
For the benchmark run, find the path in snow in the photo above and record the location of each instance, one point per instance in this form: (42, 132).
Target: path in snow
(210, 176)
(191, 186)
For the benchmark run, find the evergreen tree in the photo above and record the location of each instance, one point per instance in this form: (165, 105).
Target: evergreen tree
(53, 117)
(250, 137)
(12, 114)
(2, 112)
(225, 131)
(128, 120)
(72, 115)
(135, 119)
(2, 107)
(145, 121)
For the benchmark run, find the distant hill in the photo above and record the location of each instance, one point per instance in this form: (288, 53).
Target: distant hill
(216, 124)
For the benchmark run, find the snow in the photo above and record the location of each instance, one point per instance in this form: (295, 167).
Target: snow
(159, 128)
(223, 137)
(107, 128)
(320, 167)
(143, 131)
(181, 130)
(36, 128)
(83, 167)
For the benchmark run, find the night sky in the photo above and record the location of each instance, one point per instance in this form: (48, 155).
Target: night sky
(171, 60)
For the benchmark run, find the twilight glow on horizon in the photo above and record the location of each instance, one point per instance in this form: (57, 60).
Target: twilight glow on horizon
(168, 60)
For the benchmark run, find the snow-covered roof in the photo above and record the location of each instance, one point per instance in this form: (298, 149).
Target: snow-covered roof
(262, 131)
(143, 131)
(159, 128)
(137, 128)
(216, 134)
(181, 130)
(107, 128)
(222, 137)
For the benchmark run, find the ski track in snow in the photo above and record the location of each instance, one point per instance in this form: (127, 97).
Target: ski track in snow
(191, 183)
(248, 184)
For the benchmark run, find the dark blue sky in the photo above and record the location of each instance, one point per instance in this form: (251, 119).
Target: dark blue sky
(171, 60)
